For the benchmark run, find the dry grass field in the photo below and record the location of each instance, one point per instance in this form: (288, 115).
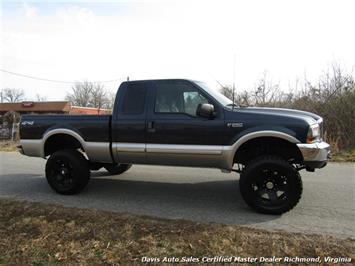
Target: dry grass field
(42, 234)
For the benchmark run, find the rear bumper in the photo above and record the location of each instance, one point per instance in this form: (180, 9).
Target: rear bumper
(31, 147)
(315, 155)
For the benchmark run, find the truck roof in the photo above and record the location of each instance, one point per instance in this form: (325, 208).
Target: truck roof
(146, 80)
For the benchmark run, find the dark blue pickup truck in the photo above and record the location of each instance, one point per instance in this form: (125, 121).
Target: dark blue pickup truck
(182, 123)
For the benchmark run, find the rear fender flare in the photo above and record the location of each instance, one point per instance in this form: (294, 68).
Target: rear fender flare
(64, 131)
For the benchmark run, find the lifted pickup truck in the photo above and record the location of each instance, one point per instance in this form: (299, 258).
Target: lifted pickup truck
(182, 123)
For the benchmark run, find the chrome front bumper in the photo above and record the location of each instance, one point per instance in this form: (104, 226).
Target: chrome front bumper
(315, 155)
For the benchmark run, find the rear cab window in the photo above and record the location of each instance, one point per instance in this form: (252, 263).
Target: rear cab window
(134, 99)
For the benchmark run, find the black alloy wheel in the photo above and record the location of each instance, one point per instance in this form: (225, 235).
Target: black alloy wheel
(271, 185)
(67, 172)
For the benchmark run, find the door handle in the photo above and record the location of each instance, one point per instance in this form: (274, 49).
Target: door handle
(151, 127)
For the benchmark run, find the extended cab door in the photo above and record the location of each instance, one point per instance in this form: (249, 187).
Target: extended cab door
(175, 134)
(129, 122)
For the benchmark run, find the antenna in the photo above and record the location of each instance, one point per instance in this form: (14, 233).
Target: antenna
(233, 88)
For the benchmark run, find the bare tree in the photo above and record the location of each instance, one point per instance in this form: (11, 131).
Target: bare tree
(333, 98)
(99, 97)
(111, 98)
(266, 93)
(11, 118)
(227, 91)
(89, 94)
(81, 94)
(12, 95)
(40, 98)
(243, 99)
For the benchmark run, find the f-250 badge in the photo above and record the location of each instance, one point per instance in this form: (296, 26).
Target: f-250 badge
(234, 124)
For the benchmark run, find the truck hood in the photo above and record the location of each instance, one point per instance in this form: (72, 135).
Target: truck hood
(307, 116)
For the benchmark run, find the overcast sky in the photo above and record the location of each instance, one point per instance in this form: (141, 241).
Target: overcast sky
(77, 40)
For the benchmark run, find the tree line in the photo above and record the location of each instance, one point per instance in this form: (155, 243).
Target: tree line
(332, 97)
(11, 95)
(89, 94)
(83, 94)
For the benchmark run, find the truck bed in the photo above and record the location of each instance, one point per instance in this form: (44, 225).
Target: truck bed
(92, 128)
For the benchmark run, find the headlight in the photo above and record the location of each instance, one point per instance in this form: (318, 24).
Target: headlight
(313, 134)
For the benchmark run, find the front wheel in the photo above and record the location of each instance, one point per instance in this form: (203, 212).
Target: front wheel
(67, 172)
(116, 169)
(270, 185)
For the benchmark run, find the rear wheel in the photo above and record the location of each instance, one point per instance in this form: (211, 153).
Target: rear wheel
(116, 169)
(269, 184)
(67, 172)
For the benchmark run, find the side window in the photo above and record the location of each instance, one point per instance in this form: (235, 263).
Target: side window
(134, 99)
(191, 100)
(177, 97)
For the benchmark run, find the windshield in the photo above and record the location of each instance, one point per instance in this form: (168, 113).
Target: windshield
(214, 93)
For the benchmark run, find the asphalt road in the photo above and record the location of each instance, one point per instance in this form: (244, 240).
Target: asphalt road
(207, 195)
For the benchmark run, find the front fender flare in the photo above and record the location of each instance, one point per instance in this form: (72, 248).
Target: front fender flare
(229, 151)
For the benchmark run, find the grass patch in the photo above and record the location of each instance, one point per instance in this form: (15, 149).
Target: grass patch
(4, 260)
(343, 156)
(8, 145)
(43, 234)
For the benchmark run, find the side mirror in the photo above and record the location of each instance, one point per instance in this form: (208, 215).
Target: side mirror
(205, 110)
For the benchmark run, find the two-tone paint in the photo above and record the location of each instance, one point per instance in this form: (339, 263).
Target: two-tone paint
(166, 139)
